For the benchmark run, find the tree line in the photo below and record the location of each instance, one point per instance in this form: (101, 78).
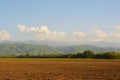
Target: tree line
(85, 54)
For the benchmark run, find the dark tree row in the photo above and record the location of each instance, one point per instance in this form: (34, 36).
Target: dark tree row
(85, 54)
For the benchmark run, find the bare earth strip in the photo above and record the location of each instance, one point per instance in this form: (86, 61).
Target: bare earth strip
(59, 69)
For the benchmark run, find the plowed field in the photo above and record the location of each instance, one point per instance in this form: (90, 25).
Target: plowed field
(59, 69)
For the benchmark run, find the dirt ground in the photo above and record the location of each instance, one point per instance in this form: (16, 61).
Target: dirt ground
(59, 69)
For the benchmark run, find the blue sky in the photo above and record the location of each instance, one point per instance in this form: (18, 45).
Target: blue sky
(69, 16)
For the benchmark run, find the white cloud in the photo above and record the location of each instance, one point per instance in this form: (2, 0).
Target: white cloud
(42, 29)
(41, 33)
(117, 28)
(114, 37)
(100, 34)
(79, 34)
(21, 27)
(4, 35)
(96, 36)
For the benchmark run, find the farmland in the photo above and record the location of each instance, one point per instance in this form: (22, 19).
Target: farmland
(59, 69)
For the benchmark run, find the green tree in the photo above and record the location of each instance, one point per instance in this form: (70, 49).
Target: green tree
(111, 55)
(88, 54)
(79, 55)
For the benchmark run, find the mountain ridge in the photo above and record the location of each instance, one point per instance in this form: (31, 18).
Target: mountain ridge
(61, 44)
(23, 48)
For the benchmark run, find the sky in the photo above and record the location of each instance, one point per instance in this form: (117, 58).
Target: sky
(60, 20)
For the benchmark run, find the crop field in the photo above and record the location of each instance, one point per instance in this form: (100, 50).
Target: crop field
(59, 69)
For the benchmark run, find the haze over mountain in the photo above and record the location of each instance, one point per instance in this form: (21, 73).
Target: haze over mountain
(58, 44)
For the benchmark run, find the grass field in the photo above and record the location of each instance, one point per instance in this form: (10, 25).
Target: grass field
(59, 69)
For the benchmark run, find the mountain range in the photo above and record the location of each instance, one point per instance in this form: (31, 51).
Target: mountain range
(20, 48)
(57, 44)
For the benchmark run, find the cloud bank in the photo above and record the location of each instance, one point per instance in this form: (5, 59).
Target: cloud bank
(4, 35)
(43, 33)
(117, 28)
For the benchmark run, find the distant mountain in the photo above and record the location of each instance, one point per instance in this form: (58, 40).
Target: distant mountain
(49, 43)
(81, 48)
(19, 49)
(58, 44)
(23, 48)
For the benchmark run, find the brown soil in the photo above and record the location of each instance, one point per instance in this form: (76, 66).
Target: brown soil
(59, 69)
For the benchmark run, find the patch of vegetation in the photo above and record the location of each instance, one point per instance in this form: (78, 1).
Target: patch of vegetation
(85, 54)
